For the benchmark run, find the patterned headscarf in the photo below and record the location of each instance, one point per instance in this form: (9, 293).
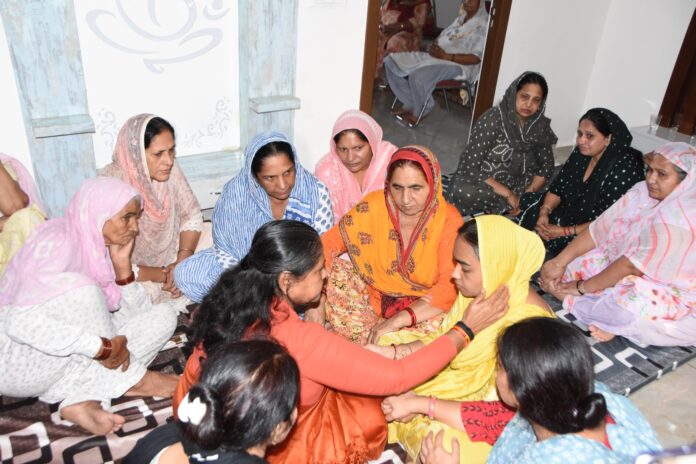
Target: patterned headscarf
(659, 237)
(166, 205)
(524, 140)
(69, 252)
(244, 205)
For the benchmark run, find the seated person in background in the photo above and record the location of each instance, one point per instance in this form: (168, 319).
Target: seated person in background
(245, 402)
(546, 372)
(20, 208)
(74, 326)
(456, 54)
(601, 168)
(357, 162)
(509, 152)
(632, 271)
(271, 185)
(339, 420)
(401, 28)
(400, 242)
(171, 221)
(493, 256)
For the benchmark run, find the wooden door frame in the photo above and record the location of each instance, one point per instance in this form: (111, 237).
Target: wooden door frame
(369, 56)
(492, 55)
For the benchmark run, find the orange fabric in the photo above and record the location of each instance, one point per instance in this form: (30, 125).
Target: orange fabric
(369, 233)
(339, 428)
(327, 360)
(188, 379)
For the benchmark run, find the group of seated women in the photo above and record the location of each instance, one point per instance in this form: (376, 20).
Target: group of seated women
(411, 302)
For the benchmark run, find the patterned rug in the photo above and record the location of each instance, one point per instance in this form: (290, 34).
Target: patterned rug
(622, 365)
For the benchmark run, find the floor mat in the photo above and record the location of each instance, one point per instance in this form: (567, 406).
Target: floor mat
(622, 365)
(32, 431)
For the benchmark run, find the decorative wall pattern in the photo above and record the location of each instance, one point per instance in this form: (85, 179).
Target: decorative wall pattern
(174, 58)
(159, 37)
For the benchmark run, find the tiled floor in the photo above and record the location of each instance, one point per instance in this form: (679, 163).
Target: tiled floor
(669, 403)
(444, 132)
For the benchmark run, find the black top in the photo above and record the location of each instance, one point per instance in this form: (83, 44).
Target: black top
(169, 434)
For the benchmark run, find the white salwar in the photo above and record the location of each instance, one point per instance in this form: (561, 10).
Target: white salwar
(46, 349)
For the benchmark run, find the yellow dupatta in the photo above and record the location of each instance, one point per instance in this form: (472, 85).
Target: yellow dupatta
(509, 255)
(370, 231)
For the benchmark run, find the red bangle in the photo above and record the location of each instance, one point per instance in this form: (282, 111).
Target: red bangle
(411, 313)
(431, 408)
(105, 350)
(127, 280)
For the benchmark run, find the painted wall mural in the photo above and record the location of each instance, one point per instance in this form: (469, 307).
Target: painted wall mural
(174, 58)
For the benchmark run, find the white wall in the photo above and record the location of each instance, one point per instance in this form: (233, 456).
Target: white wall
(13, 140)
(330, 48)
(446, 11)
(613, 53)
(635, 60)
(174, 58)
(559, 39)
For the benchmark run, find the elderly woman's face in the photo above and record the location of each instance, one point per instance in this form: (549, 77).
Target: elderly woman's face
(470, 7)
(160, 155)
(123, 226)
(409, 189)
(277, 176)
(660, 176)
(467, 274)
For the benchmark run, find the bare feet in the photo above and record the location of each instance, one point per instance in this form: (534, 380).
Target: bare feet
(600, 335)
(154, 384)
(90, 416)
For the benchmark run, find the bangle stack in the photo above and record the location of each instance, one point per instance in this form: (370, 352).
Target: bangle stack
(105, 350)
(464, 331)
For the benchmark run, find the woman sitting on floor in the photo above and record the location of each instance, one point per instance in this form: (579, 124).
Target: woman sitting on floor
(171, 221)
(74, 327)
(631, 273)
(272, 185)
(455, 54)
(400, 244)
(245, 403)
(601, 168)
(492, 253)
(357, 162)
(546, 372)
(339, 414)
(20, 208)
(509, 152)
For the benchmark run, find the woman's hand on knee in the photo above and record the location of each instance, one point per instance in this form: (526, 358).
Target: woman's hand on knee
(119, 356)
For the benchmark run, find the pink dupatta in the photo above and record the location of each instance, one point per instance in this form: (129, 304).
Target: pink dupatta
(69, 252)
(166, 205)
(343, 186)
(658, 237)
(24, 179)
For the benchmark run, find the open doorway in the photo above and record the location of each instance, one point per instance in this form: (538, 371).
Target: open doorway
(444, 129)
